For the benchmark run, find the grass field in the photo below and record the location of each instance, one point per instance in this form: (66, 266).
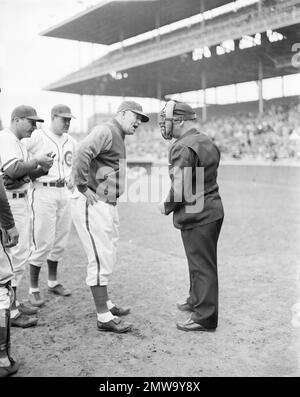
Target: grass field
(259, 262)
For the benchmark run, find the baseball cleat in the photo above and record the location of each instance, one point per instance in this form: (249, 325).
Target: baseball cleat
(10, 370)
(26, 309)
(60, 290)
(119, 311)
(114, 325)
(23, 321)
(35, 299)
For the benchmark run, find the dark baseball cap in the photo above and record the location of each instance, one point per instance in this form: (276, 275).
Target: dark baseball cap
(133, 107)
(62, 111)
(184, 110)
(26, 112)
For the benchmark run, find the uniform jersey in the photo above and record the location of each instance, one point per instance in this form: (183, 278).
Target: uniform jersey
(100, 162)
(6, 222)
(43, 141)
(11, 151)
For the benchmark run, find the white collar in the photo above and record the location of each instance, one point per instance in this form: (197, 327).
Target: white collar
(59, 138)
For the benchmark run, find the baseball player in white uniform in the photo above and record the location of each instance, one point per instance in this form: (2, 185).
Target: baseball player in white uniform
(50, 202)
(17, 171)
(9, 237)
(99, 174)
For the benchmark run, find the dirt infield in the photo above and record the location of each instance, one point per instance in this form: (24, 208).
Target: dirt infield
(258, 265)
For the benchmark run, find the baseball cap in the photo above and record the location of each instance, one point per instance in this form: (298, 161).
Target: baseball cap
(133, 107)
(62, 111)
(184, 110)
(26, 112)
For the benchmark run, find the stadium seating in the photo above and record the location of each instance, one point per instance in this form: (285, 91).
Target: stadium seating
(274, 135)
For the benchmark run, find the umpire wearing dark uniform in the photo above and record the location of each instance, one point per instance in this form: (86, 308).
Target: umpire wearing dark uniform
(197, 210)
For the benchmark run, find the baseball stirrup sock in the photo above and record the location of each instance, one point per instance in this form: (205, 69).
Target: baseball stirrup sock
(34, 275)
(3, 334)
(4, 338)
(52, 270)
(100, 298)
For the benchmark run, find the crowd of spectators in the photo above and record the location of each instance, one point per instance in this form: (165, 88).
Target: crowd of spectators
(272, 136)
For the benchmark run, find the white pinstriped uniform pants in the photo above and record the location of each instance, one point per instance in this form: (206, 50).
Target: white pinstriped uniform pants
(51, 223)
(98, 229)
(20, 253)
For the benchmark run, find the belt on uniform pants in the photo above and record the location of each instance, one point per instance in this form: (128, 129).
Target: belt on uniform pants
(16, 195)
(113, 203)
(54, 184)
(106, 201)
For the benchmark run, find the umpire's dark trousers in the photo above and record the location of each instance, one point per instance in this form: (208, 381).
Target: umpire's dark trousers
(200, 244)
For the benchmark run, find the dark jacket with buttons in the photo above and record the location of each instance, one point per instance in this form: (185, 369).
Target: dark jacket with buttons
(194, 194)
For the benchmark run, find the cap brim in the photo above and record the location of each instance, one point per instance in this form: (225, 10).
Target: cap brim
(35, 118)
(66, 115)
(144, 117)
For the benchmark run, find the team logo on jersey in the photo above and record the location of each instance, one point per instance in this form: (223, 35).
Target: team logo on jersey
(68, 158)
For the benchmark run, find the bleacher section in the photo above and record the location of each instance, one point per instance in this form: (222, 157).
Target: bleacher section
(238, 130)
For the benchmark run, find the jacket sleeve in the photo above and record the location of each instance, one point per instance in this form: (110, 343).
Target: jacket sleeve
(37, 172)
(99, 140)
(181, 160)
(6, 217)
(20, 168)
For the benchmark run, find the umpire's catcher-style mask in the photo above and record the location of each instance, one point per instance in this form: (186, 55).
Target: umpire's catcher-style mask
(174, 111)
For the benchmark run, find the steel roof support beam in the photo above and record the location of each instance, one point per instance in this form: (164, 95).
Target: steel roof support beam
(183, 41)
(282, 87)
(259, 6)
(202, 10)
(157, 39)
(260, 87)
(203, 84)
(81, 99)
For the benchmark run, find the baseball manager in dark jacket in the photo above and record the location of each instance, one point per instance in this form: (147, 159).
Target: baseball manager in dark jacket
(99, 173)
(197, 210)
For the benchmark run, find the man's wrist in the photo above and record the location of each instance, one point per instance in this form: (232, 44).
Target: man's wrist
(82, 188)
(8, 227)
(35, 162)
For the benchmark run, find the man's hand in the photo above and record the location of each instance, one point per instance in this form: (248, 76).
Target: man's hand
(11, 237)
(45, 161)
(161, 207)
(91, 197)
(71, 184)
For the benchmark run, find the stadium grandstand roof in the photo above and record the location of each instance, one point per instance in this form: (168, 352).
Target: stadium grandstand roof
(182, 74)
(156, 69)
(112, 21)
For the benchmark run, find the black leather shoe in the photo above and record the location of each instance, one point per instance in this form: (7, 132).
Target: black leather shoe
(119, 311)
(114, 325)
(10, 370)
(23, 321)
(35, 299)
(59, 289)
(190, 325)
(185, 307)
